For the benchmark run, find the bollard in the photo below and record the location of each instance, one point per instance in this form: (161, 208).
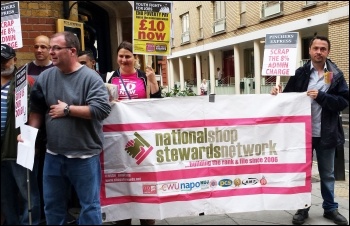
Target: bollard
(339, 161)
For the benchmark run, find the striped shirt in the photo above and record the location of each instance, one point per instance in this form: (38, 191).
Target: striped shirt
(4, 92)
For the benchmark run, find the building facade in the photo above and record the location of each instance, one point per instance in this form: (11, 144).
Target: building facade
(206, 35)
(231, 34)
(106, 24)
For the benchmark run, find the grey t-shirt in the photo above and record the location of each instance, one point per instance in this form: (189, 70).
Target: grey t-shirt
(72, 135)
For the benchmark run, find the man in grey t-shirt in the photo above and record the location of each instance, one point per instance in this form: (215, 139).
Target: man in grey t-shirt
(73, 101)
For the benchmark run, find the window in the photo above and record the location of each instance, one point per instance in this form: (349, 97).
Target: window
(219, 17)
(249, 63)
(270, 8)
(243, 13)
(310, 2)
(185, 37)
(200, 22)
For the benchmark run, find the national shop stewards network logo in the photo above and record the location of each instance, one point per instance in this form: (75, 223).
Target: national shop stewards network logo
(138, 148)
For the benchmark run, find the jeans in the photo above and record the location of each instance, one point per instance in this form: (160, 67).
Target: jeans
(325, 162)
(14, 193)
(85, 176)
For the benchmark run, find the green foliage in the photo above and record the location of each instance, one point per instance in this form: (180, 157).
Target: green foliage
(175, 92)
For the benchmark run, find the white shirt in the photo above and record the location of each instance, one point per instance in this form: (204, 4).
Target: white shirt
(316, 82)
(204, 86)
(219, 74)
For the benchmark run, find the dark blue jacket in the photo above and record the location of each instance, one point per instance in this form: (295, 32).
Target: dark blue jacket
(332, 102)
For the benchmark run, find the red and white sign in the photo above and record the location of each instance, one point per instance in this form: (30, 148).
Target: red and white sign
(280, 54)
(11, 31)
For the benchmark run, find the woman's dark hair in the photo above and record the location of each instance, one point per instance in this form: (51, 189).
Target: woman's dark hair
(125, 45)
(323, 38)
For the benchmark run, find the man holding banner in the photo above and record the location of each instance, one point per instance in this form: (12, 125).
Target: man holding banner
(14, 190)
(324, 83)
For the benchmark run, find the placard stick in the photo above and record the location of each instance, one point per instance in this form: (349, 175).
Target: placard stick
(278, 81)
(148, 64)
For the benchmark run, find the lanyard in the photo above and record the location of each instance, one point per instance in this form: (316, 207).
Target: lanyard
(120, 76)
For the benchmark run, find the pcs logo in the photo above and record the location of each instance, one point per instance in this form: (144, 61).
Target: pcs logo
(225, 183)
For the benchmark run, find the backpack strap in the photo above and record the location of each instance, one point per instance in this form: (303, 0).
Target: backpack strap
(111, 74)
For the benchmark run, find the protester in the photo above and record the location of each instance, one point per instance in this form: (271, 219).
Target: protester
(132, 84)
(324, 83)
(14, 185)
(42, 56)
(87, 58)
(42, 61)
(74, 101)
(204, 87)
(219, 76)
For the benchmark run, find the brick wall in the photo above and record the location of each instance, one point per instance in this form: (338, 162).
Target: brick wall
(37, 18)
(340, 44)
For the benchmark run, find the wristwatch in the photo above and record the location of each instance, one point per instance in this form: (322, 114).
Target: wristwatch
(66, 110)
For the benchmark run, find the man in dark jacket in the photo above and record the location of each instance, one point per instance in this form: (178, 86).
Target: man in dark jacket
(14, 185)
(324, 82)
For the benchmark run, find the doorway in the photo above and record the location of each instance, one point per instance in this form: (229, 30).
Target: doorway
(228, 77)
(96, 34)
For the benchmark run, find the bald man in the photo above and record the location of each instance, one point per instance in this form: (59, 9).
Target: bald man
(42, 56)
(41, 48)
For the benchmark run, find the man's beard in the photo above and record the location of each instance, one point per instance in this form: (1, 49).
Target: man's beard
(7, 72)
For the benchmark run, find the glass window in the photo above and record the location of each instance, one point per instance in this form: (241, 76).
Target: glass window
(200, 21)
(185, 37)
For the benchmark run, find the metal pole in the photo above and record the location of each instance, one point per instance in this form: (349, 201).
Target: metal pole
(29, 204)
(339, 164)
(339, 161)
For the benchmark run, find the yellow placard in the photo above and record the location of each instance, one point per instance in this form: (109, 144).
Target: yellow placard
(152, 27)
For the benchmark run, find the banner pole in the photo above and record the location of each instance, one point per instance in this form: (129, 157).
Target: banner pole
(29, 204)
(148, 64)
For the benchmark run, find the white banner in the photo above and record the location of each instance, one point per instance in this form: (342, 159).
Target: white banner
(176, 157)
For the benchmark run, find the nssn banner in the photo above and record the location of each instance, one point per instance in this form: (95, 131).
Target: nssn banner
(182, 156)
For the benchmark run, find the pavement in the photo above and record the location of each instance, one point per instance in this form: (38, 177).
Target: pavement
(280, 217)
(275, 217)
